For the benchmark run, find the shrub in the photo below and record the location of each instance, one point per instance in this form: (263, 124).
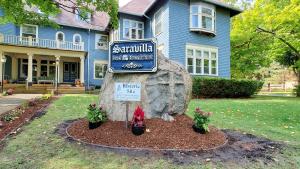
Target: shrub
(10, 91)
(297, 90)
(138, 118)
(46, 96)
(224, 88)
(96, 114)
(201, 119)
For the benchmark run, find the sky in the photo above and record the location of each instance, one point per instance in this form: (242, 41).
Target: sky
(123, 2)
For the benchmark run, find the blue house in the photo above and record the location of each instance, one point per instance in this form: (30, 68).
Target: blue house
(194, 33)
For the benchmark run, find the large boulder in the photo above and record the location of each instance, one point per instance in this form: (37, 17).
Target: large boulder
(164, 93)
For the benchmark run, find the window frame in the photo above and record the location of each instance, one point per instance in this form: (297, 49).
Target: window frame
(136, 28)
(36, 30)
(77, 34)
(56, 36)
(101, 62)
(202, 48)
(200, 14)
(160, 11)
(96, 41)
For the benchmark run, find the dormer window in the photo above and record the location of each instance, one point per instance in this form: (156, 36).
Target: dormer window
(203, 18)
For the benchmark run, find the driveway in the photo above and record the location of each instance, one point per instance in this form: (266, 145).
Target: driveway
(10, 102)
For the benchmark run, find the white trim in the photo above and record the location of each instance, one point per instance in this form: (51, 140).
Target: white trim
(36, 28)
(99, 35)
(200, 6)
(154, 22)
(202, 48)
(102, 62)
(56, 36)
(77, 34)
(130, 28)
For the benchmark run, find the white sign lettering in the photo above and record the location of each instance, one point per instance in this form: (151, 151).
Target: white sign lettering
(127, 92)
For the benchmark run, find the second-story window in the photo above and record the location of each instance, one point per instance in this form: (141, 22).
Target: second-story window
(76, 39)
(101, 41)
(158, 22)
(60, 37)
(133, 29)
(202, 18)
(29, 31)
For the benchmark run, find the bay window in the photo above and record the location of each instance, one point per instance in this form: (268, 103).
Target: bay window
(202, 18)
(133, 29)
(202, 60)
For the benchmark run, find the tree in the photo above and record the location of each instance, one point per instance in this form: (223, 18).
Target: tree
(267, 31)
(16, 11)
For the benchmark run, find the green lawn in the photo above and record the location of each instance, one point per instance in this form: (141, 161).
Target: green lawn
(38, 147)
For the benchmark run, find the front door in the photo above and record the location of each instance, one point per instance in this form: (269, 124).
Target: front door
(70, 72)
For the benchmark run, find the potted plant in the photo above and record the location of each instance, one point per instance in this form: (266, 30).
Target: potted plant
(96, 116)
(10, 91)
(201, 120)
(137, 124)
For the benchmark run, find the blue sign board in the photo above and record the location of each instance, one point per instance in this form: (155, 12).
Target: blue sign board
(132, 56)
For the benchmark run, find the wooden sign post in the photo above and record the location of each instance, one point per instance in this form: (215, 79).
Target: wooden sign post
(128, 92)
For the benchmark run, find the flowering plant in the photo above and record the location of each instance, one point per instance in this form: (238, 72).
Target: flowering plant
(201, 119)
(96, 114)
(138, 118)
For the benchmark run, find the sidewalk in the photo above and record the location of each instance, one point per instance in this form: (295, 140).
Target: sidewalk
(10, 102)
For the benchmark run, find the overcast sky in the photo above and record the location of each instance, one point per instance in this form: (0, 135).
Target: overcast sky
(123, 2)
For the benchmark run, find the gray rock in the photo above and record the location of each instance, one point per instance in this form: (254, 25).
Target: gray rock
(1, 124)
(167, 117)
(167, 90)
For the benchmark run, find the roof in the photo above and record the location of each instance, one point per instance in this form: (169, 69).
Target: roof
(99, 20)
(140, 7)
(137, 7)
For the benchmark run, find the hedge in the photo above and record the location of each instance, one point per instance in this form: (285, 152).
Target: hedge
(224, 88)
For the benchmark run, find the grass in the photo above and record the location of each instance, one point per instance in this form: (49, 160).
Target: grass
(38, 147)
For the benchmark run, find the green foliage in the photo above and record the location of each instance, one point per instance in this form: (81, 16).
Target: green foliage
(13, 114)
(96, 114)
(224, 88)
(201, 119)
(297, 91)
(25, 11)
(267, 31)
(46, 96)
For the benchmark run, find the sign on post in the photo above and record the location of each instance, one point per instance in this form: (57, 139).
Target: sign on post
(127, 92)
(132, 56)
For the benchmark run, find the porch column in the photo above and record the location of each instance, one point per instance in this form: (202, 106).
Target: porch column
(38, 73)
(14, 71)
(82, 70)
(29, 73)
(57, 58)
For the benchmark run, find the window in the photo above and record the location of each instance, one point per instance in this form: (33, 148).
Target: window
(133, 29)
(101, 41)
(202, 18)
(158, 22)
(100, 68)
(47, 68)
(76, 39)
(83, 16)
(202, 60)
(29, 31)
(60, 37)
(24, 68)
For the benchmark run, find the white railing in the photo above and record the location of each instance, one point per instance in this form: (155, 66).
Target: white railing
(42, 43)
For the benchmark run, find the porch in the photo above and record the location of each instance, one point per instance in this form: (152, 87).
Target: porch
(37, 68)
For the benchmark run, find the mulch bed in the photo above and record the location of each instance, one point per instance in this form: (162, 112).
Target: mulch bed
(29, 112)
(163, 135)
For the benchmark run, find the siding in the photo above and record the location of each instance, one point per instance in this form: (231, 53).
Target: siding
(180, 35)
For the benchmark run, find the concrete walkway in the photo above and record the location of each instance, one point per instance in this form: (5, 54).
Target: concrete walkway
(10, 102)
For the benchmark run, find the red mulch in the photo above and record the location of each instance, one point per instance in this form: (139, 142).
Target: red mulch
(27, 115)
(162, 135)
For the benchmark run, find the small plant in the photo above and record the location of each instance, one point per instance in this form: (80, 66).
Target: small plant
(8, 117)
(14, 114)
(10, 91)
(95, 116)
(4, 93)
(297, 90)
(32, 103)
(46, 96)
(201, 120)
(137, 123)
